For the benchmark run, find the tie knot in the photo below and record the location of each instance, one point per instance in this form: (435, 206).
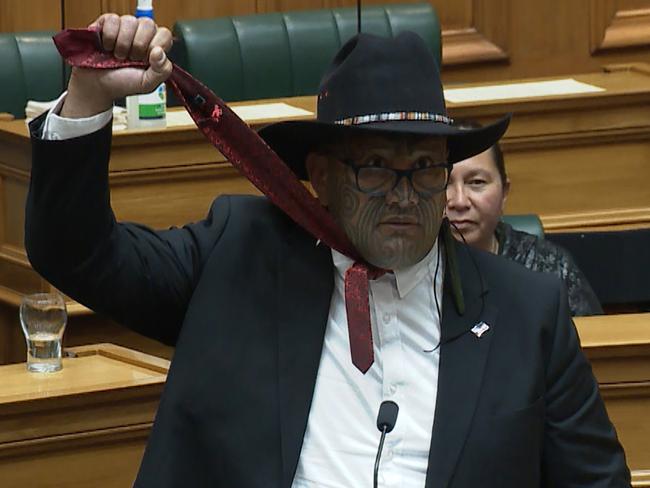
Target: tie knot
(366, 270)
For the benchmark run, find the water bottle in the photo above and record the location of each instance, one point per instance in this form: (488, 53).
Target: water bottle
(148, 110)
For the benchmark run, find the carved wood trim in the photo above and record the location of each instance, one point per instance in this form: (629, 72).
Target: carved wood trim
(640, 478)
(77, 440)
(483, 40)
(464, 46)
(15, 255)
(585, 221)
(3, 207)
(615, 28)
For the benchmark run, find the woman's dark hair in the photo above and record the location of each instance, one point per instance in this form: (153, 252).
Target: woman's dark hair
(495, 150)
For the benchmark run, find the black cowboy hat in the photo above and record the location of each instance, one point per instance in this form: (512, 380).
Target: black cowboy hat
(379, 85)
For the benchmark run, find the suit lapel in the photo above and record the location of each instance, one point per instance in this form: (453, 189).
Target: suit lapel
(462, 361)
(305, 289)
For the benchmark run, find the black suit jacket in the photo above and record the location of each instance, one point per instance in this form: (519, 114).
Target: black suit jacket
(518, 407)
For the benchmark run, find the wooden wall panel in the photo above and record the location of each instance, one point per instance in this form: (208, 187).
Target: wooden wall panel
(556, 37)
(25, 15)
(474, 31)
(168, 11)
(266, 6)
(80, 13)
(483, 40)
(619, 24)
(124, 6)
(263, 6)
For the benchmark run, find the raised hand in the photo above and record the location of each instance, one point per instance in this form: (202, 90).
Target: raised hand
(91, 91)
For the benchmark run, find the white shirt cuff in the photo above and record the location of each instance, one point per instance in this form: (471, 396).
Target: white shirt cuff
(60, 128)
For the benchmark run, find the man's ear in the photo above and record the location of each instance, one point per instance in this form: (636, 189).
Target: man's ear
(318, 170)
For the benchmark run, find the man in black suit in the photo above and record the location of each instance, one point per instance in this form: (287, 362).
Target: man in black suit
(270, 386)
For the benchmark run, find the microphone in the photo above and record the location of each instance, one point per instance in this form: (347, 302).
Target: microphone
(358, 16)
(386, 419)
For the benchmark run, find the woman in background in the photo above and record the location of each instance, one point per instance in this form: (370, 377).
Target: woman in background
(477, 191)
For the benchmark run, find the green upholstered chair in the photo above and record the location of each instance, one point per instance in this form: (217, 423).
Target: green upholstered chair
(31, 70)
(285, 54)
(529, 223)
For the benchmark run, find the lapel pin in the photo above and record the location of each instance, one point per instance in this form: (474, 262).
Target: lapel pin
(479, 329)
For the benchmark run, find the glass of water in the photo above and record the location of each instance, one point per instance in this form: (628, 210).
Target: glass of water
(43, 317)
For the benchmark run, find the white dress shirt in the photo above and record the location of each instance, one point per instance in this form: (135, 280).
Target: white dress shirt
(341, 440)
(59, 128)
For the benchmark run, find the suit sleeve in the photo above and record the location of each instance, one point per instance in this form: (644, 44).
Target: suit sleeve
(139, 277)
(581, 448)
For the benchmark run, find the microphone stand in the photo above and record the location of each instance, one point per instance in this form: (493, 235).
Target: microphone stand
(358, 16)
(381, 446)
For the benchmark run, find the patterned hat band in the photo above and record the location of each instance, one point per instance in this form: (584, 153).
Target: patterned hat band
(391, 116)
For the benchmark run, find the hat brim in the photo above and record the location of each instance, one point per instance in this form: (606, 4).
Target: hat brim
(293, 140)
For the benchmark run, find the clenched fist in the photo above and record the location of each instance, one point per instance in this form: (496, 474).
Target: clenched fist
(91, 91)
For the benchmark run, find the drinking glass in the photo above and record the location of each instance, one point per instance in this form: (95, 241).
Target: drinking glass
(43, 317)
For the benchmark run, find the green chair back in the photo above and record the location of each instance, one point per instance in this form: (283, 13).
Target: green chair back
(31, 70)
(285, 54)
(529, 223)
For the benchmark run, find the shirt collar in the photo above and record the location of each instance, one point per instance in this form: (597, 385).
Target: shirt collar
(406, 278)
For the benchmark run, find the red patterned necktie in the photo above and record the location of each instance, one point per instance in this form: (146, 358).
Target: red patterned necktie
(247, 152)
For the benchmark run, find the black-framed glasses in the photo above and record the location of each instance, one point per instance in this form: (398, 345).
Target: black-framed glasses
(376, 181)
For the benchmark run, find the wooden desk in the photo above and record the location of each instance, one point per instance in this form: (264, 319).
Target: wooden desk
(98, 411)
(563, 152)
(618, 347)
(579, 161)
(86, 425)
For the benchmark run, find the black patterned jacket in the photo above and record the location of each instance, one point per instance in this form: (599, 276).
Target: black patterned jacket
(542, 255)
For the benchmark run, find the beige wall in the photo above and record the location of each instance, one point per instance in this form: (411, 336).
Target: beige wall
(483, 39)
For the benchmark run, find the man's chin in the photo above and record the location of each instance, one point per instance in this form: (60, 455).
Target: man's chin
(398, 252)
(395, 230)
